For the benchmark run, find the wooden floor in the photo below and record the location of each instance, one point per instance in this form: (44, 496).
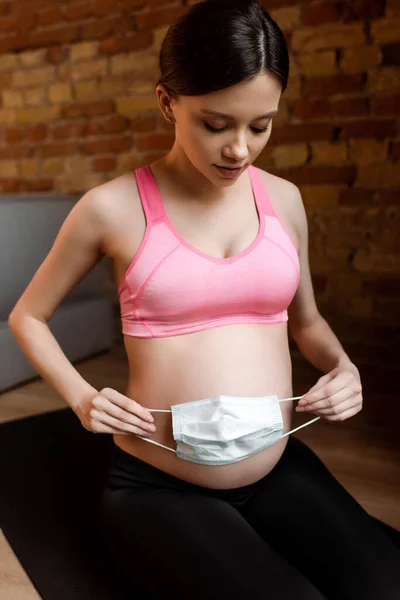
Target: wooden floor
(363, 453)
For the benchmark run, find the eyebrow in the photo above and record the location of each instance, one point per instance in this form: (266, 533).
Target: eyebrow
(219, 114)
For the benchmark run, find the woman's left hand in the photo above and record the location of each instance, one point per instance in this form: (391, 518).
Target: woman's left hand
(336, 396)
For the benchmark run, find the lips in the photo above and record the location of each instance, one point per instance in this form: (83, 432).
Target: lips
(230, 168)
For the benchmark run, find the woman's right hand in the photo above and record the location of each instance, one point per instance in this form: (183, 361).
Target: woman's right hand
(108, 411)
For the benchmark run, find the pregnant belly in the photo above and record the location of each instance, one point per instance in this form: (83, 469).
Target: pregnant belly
(239, 360)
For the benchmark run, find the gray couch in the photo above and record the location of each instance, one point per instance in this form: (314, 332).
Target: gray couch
(83, 322)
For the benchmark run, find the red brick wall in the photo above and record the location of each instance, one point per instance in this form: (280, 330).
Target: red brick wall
(78, 107)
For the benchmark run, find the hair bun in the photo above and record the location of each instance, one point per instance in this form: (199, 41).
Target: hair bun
(240, 38)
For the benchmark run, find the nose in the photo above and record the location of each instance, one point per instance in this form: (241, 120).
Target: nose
(237, 150)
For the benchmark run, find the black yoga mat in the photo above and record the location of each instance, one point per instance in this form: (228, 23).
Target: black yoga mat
(51, 473)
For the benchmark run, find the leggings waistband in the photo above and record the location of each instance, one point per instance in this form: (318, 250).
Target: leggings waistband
(128, 471)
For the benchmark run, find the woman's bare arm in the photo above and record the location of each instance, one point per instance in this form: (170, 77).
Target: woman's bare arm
(76, 250)
(311, 332)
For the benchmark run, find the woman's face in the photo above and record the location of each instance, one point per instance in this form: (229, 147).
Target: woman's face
(233, 138)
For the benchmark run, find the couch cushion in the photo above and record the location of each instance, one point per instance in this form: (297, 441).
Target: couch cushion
(29, 225)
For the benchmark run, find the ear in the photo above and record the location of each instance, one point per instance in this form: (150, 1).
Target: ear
(164, 100)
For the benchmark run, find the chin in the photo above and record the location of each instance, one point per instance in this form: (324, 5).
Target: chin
(227, 183)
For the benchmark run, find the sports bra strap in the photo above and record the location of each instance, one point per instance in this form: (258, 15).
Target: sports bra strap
(261, 194)
(149, 195)
(154, 208)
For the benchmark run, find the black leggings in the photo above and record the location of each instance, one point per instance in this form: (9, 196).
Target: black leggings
(296, 534)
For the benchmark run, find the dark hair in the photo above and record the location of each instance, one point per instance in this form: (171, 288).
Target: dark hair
(218, 43)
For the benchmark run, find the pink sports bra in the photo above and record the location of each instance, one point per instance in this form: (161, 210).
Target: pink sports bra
(171, 288)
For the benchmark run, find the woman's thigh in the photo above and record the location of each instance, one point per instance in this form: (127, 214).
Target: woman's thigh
(181, 544)
(309, 518)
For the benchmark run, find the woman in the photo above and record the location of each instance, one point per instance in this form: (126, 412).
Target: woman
(207, 496)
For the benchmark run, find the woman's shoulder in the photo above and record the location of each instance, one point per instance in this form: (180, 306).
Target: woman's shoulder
(286, 199)
(111, 193)
(281, 191)
(114, 203)
(278, 186)
(115, 195)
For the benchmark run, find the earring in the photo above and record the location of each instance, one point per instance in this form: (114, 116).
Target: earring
(170, 120)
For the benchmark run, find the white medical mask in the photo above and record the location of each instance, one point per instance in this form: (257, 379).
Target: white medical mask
(226, 429)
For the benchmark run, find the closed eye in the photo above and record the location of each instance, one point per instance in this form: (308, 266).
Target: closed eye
(254, 129)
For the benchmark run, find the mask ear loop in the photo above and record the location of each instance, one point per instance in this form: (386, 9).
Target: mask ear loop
(300, 426)
(156, 443)
(160, 410)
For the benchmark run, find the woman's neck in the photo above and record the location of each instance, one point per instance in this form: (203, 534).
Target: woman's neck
(191, 183)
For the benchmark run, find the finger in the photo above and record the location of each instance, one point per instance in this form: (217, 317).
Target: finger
(321, 382)
(327, 402)
(128, 404)
(99, 427)
(118, 426)
(104, 405)
(342, 416)
(339, 408)
(102, 428)
(335, 385)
